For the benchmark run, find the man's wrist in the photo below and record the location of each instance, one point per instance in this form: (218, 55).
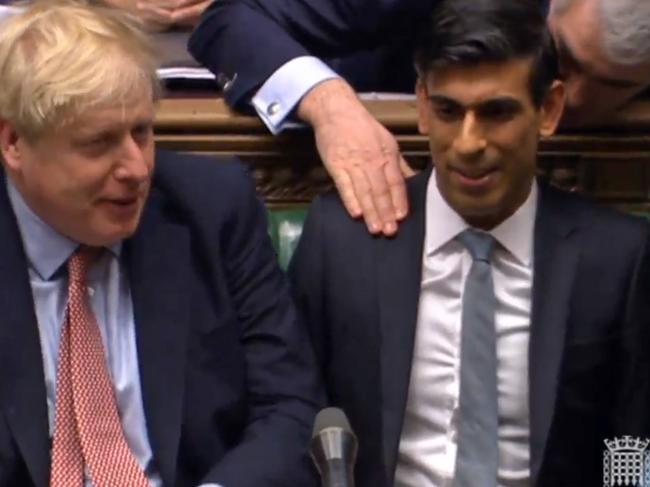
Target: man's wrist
(276, 100)
(317, 104)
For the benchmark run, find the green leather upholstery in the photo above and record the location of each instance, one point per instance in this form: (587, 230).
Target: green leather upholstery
(285, 227)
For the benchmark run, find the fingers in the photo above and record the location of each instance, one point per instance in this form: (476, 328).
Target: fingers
(345, 188)
(362, 183)
(378, 210)
(376, 191)
(185, 3)
(161, 4)
(359, 153)
(190, 15)
(162, 14)
(169, 4)
(397, 186)
(154, 17)
(407, 171)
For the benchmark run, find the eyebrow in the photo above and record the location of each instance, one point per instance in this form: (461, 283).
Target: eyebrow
(82, 135)
(498, 101)
(584, 66)
(117, 125)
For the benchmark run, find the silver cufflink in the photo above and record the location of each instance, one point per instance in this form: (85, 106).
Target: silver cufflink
(273, 108)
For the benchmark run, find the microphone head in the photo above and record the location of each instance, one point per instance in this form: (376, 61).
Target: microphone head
(334, 448)
(330, 418)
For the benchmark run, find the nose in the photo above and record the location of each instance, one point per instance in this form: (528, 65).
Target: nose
(470, 139)
(134, 165)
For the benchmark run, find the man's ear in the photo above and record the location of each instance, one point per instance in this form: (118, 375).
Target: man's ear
(422, 103)
(9, 148)
(552, 109)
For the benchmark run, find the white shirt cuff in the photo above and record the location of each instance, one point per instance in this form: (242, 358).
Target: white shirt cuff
(282, 91)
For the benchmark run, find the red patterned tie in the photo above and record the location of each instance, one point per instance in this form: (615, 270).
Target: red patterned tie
(87, 428)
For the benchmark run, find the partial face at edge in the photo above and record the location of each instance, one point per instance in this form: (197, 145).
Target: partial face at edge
(595, 86)
(89, 179)
(483, 132)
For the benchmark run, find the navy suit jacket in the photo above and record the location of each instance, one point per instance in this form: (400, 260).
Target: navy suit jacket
(245, 41)
(229, 385)
(588, 349)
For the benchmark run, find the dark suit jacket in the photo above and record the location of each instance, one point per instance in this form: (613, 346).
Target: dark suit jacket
(245, 41)
(589, 329)
(228, 381)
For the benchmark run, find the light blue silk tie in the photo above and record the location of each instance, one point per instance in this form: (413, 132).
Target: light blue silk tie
(477, 456)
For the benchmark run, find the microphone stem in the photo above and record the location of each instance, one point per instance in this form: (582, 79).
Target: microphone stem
(338, 474)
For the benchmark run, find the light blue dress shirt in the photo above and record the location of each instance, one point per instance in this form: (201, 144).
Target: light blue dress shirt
(110, 298)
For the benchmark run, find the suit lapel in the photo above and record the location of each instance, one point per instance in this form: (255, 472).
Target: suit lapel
(158, 262)
(22, 383)
(399, 263)
(556, 261)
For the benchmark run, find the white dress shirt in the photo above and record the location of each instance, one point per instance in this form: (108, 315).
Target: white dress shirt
(428, 443)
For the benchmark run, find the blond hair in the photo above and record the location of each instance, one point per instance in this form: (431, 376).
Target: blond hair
(59, 59)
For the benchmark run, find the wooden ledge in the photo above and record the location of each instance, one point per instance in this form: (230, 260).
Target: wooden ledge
(212, 115)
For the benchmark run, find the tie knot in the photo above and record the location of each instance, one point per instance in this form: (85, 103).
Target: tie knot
(81, 260)
(480, 245)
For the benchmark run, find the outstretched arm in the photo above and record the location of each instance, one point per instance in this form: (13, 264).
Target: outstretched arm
(244, 42)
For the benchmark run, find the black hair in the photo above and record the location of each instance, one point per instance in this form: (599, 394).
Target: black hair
(468, 32)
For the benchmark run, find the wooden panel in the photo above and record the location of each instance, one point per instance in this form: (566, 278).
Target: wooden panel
(610, 162)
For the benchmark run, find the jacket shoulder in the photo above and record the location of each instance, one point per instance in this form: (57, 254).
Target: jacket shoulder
(202, 183)
(199, 173)
(595, 217)
(329, 209)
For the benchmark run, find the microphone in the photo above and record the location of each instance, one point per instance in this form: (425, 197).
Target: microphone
(334, 448)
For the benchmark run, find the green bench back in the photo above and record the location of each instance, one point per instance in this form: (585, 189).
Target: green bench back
(285, 227)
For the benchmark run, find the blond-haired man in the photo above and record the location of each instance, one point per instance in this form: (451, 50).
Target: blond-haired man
(146, 337)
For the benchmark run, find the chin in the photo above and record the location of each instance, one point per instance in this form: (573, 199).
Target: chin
(479, 216)
(475, 208)
(112, 236)
(124, 233)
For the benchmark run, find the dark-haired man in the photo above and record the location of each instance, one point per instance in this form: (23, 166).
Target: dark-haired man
(497, 339)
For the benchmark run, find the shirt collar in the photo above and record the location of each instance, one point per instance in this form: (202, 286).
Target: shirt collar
(442, 223)
(515, 233)
(47, 250)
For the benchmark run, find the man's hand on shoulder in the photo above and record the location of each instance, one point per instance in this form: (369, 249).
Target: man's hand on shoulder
(360, 154)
